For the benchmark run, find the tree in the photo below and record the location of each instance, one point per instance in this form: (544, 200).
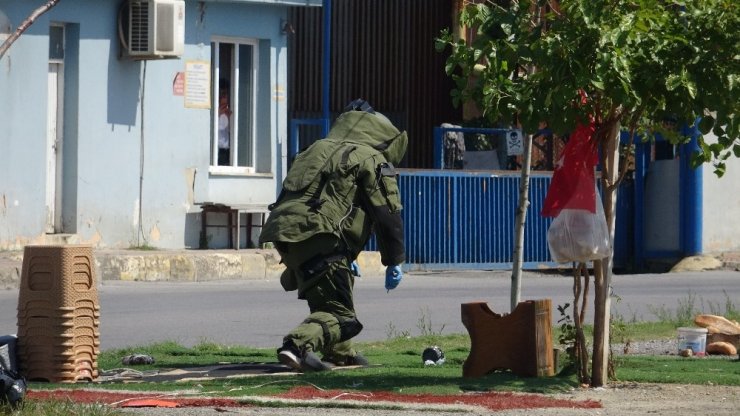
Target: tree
(625, 64)
(25, 24)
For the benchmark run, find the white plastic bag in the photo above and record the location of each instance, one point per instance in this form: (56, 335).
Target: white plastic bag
(579, 235)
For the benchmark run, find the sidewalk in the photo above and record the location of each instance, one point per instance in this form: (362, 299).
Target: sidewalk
(181, 265)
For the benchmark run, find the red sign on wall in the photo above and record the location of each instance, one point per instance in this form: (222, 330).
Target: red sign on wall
(178, 84)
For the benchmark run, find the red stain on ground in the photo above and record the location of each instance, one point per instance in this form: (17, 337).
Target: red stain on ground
(121, 399)
(149, 403)
(488, 400)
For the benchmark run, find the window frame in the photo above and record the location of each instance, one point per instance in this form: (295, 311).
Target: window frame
(234, 167)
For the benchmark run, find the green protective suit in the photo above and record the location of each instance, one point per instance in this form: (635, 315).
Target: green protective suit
(337, 192)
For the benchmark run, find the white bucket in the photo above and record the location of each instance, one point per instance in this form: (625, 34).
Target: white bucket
(694, 339)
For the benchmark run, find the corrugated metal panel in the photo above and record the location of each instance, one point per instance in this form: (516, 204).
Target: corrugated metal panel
(382, 51)
(305, 61)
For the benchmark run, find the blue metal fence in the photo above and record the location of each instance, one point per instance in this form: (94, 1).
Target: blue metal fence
(465, 220)
(456, 219)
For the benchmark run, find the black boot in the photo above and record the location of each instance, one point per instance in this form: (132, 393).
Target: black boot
(290, 355)
(300, 360)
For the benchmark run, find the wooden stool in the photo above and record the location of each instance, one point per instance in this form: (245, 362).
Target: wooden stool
(520, 341)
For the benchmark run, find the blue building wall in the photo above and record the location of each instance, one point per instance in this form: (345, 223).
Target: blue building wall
(103, 134)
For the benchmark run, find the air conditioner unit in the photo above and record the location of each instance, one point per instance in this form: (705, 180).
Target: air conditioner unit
(155, 29)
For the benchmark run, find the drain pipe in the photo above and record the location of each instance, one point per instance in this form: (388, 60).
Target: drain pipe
(140, 229)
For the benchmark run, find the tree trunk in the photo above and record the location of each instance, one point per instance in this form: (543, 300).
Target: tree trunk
(25, 24)
(601, 327)
(521, 218)
(580, 295)
(603, 268)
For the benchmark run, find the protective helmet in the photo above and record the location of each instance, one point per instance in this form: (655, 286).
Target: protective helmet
(359, 105)
(362, 105)
(361, 123)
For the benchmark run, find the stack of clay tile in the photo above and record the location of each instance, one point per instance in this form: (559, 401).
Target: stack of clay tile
(58, 314)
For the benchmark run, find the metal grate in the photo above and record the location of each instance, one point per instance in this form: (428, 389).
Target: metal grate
(139, 29)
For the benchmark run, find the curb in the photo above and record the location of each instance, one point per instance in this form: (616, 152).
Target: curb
(187, 267)
(181, 265)
(250, 264)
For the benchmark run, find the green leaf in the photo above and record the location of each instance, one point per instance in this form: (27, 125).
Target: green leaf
(706, 151)
(691, 88)
(736, 150)
(672, 82)
(719, 169)
(477, 54)
(697, 159)
(706, 124)
(716, 148)
(507, 28)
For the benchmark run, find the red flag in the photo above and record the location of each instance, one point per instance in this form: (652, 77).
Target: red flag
(573, 182)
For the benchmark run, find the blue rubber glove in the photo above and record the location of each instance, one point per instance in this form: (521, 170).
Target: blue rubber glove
(393, 276)
(355, 269)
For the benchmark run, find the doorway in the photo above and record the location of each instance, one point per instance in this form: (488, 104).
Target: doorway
(55, 130)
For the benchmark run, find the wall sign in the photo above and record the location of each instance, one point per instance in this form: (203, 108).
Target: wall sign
(197, 84)
(514, 143)
(178, 84)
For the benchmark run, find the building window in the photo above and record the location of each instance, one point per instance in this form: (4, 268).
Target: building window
(234, 66)
(56, 43)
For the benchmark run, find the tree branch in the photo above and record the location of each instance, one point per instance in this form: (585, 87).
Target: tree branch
(616, 112)
(25, 24)
(625, 161)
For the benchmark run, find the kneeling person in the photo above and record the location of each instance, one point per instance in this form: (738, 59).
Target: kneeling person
(336, 193)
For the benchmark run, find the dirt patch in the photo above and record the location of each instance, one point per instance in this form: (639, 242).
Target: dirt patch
(632, 399)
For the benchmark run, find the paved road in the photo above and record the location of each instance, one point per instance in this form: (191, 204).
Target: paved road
(258, 313)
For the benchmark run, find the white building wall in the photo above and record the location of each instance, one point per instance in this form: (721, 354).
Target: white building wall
(721, 205)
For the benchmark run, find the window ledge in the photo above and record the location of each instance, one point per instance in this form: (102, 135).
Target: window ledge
(237, 171)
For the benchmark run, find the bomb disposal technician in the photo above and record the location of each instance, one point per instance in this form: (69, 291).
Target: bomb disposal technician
(337, 192)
